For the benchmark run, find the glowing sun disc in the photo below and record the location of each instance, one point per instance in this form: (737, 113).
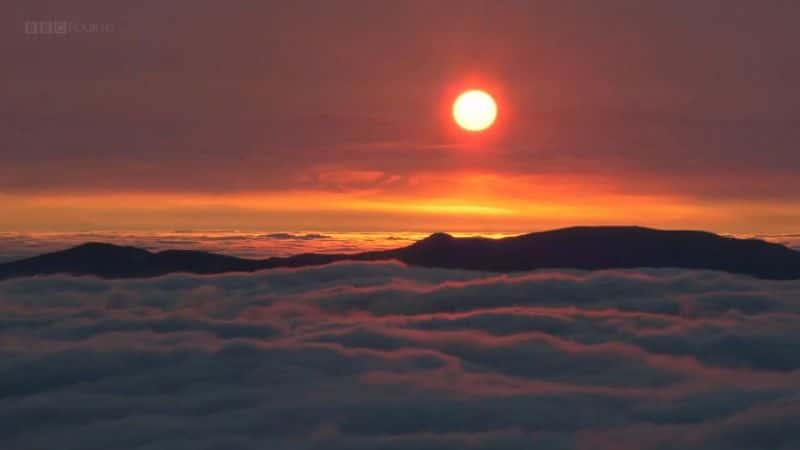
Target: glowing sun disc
(474, 110)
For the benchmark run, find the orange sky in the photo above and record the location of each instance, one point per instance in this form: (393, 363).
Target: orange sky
(478, 202)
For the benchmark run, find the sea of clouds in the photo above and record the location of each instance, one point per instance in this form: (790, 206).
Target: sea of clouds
(245, 244)
(384, 356)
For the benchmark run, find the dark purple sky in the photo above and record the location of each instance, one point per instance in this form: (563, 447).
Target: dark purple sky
(628, 105)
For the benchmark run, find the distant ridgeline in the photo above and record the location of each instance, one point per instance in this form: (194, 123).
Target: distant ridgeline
(585, 248)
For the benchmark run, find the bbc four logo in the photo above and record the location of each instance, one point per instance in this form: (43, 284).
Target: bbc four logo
(46, 27)
(63, 27)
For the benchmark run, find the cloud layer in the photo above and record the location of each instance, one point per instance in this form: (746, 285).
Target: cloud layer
(383, 356)
(246, 244)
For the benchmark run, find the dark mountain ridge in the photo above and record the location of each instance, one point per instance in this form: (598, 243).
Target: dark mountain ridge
(587, 248)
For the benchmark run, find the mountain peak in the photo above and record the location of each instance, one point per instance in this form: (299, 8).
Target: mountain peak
(103, 249)
(435, 240)
(438, 236)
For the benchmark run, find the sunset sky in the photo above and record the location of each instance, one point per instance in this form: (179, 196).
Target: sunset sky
(336, 116)
(329, 224)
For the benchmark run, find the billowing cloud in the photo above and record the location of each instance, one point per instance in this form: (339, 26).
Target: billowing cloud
(380, 355)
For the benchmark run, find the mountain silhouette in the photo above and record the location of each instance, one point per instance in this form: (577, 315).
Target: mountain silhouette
(587, 248)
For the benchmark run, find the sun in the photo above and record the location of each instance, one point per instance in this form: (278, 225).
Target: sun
(474, 110)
